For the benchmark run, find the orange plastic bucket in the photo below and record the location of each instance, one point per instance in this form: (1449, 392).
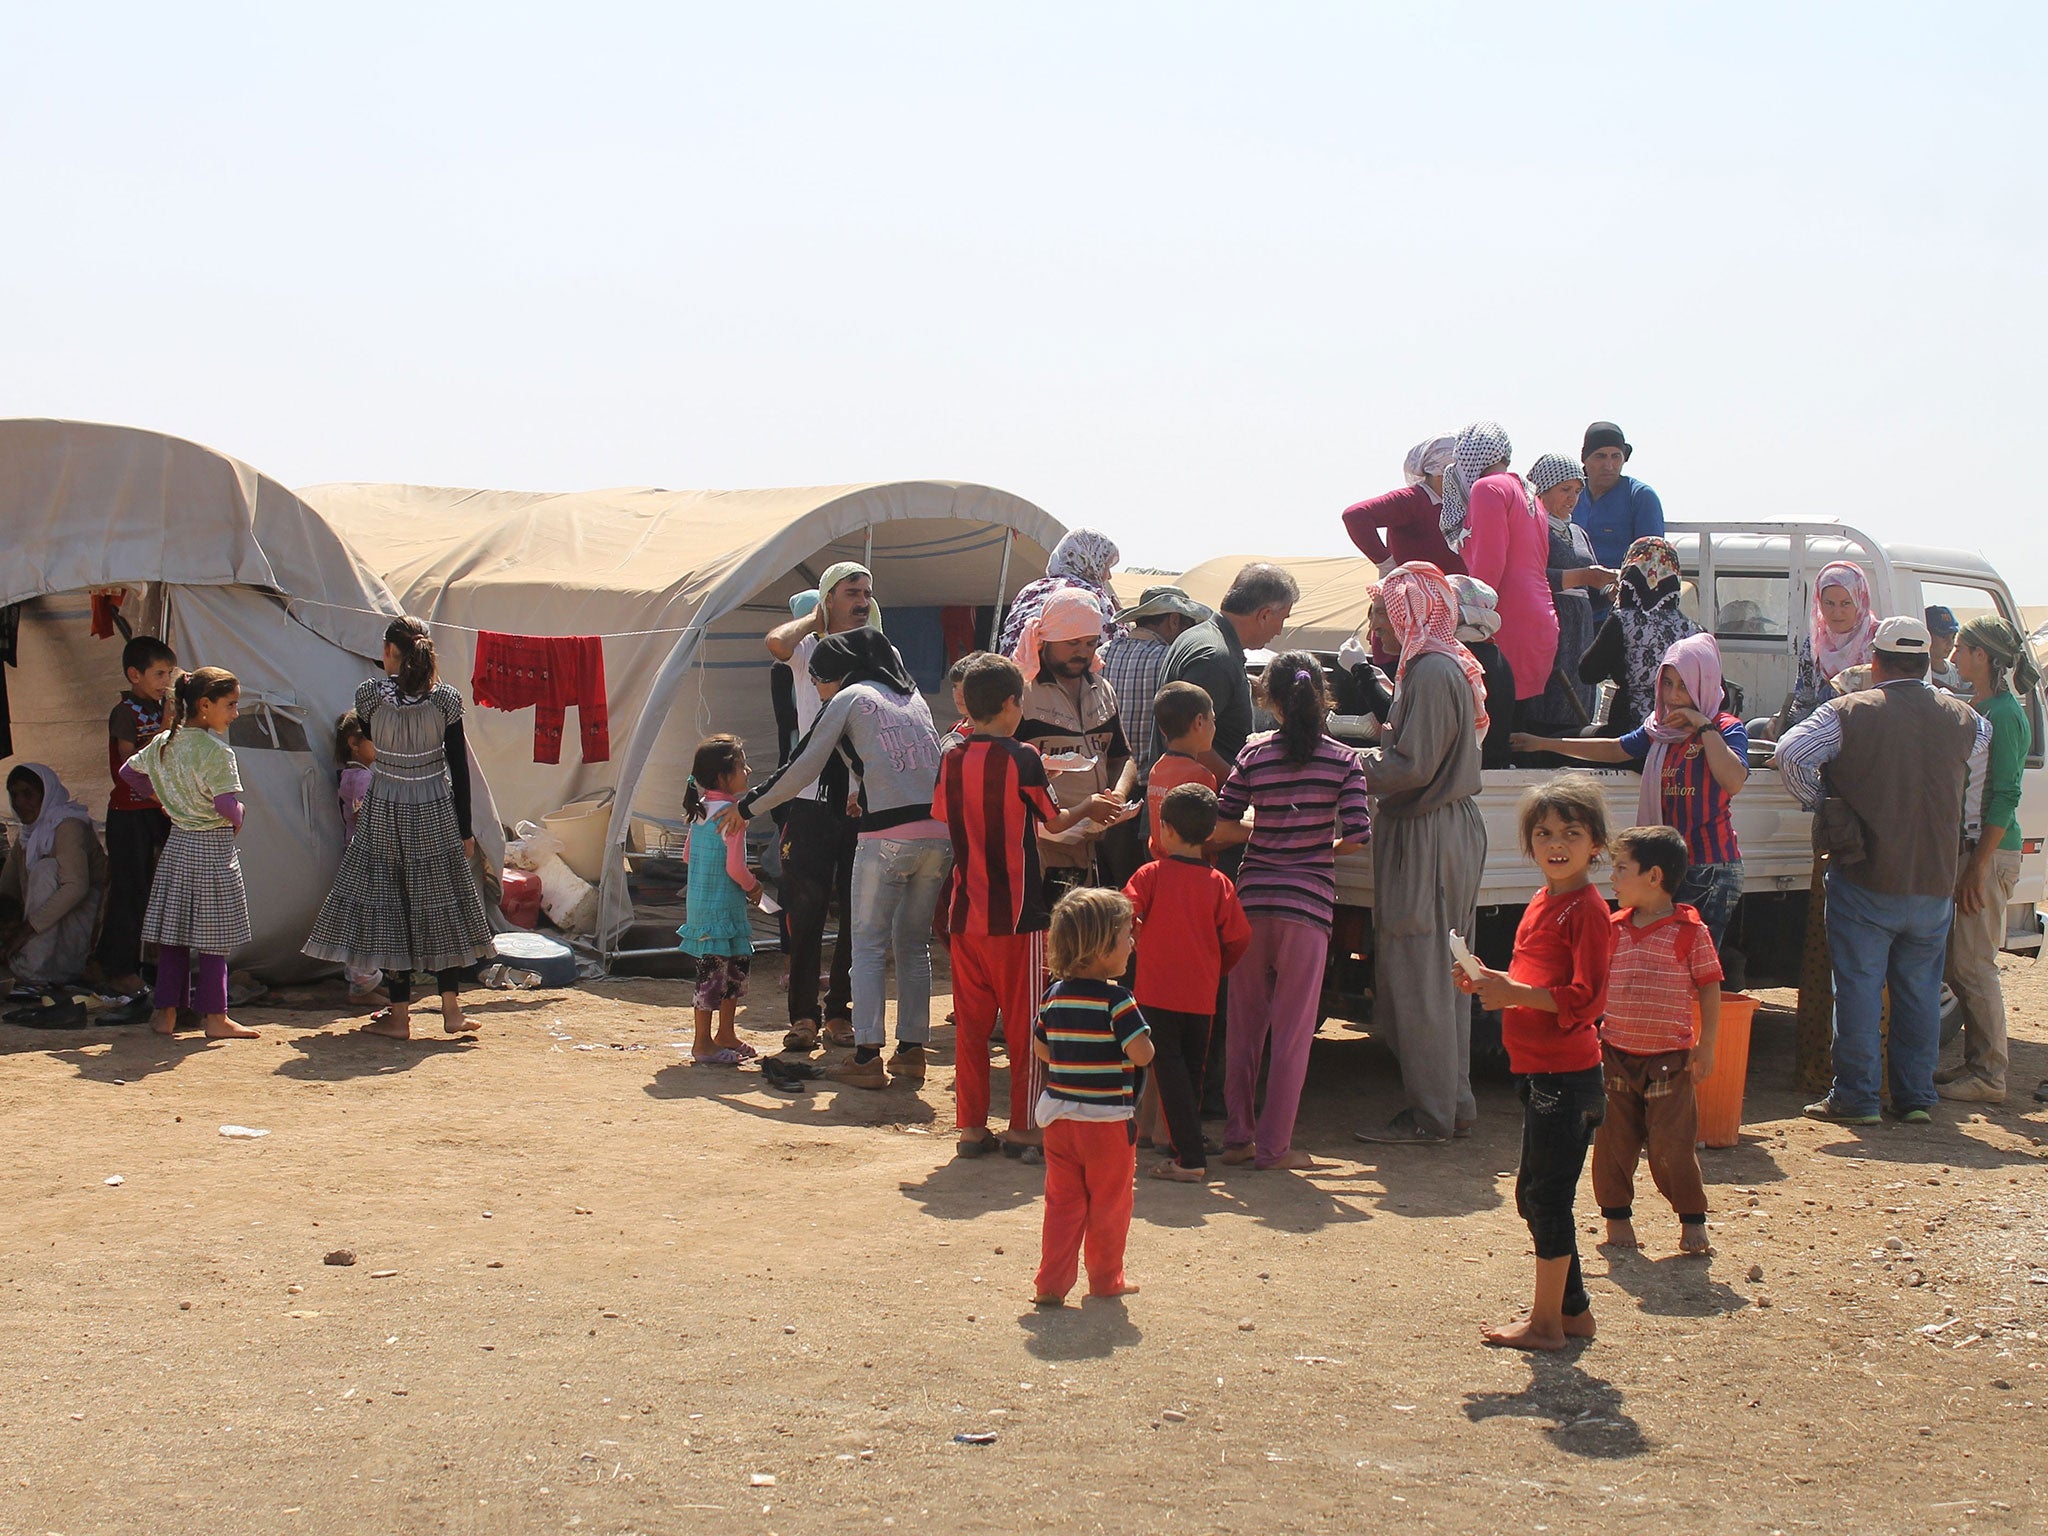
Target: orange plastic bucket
(1720, 1096)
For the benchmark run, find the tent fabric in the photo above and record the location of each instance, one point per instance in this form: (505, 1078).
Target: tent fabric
(1335, 593)
(683, 584)
(234, 571)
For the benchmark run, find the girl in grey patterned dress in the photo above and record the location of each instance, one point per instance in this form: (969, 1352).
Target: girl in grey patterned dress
(404, 898)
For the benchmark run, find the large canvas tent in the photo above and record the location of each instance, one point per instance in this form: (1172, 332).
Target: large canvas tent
(232, 570)
(682, 585)
(1335, 592)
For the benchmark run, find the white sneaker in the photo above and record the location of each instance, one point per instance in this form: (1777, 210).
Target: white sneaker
(1971, 1090)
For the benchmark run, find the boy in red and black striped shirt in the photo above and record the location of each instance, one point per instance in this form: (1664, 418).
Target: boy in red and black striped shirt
(993, 794)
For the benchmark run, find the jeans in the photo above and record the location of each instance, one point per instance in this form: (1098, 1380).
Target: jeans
(134, 840)
(1874, 938)
(1180, 1042)
(1560, 1111)
(818, 844)
(896, 887)
(1713, 890)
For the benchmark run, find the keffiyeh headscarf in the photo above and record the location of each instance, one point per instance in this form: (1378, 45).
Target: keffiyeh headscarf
(1474, 451)
(1651, 623)
(1068, 614)
(1697, 661)
(1432, 456)
(2016, 671)
(1422, 610)
(1833, 654)
(1552, 470)
(1083, 559)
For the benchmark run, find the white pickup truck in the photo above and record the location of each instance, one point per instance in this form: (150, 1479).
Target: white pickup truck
(1754, 581)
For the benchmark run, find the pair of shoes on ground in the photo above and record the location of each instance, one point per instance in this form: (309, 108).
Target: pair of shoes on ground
(907, 1065)
(1826, 1109)
(1968, 1088)
(1407, 1127)
(805, 1034)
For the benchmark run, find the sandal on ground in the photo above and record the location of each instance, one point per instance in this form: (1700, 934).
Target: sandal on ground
(1173, 1173)
(1024, 1152)
(840, 1032)
(720, 1058)
(744, 1051)
(802, 1036)
(1238, 1156)
(977, 1143)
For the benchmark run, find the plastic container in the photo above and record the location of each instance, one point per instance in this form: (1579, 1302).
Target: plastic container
(1720, 1096)
(521, 899)
(554, 963)
(582, 827)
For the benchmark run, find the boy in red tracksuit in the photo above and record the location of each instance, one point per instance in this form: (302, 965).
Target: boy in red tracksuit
(1191, 931)
(993, 794)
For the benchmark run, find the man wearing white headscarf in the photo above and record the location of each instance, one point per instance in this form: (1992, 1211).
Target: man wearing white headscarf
(1403, 526)
(56, 877)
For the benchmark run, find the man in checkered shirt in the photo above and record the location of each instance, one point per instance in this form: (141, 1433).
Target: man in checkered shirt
(1131, 663)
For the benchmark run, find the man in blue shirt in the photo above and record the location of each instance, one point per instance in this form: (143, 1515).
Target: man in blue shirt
(1614, 509)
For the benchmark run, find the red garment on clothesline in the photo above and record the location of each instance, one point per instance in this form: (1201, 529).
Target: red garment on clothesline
(550, 674)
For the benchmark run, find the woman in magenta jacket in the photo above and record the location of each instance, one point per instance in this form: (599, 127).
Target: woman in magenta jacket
(1494, 524)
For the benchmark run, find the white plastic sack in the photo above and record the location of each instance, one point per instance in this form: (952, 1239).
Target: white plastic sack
(569, 900)
(533, 846)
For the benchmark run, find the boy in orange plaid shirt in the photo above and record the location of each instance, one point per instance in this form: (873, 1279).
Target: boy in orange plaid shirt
(1664, 961)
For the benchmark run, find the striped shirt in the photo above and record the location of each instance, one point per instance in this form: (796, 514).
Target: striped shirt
(1654, 979)
(1086, 1025)
(1690, 797)
(992, 793)
(1290, 870)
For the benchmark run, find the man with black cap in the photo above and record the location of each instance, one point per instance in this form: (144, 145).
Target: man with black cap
(1904, 766)
(1131, 664)
(1614, 509)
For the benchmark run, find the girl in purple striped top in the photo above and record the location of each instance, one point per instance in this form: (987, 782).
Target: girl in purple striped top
(1309, 793)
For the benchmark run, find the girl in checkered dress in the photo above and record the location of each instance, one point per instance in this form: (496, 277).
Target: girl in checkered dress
(198, 912)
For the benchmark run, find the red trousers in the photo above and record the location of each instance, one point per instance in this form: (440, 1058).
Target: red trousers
(996, 976)
(1090, 1168)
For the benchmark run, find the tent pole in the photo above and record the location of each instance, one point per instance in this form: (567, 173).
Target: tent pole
(867, 554)
(995, 625)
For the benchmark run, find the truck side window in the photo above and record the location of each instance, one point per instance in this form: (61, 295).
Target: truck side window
(1751, 605)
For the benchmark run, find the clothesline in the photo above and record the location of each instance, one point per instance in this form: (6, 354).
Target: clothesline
(470, 629)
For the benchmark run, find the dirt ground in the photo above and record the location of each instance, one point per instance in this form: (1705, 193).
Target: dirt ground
(597, 1289)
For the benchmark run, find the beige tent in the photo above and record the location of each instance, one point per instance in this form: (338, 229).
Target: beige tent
(682, 585)
(234, 571)
(1333, 594)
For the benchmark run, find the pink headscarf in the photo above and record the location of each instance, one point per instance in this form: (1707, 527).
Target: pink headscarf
(1068, 614)
(1423, 610)
(1853, 650)
(1697, 661)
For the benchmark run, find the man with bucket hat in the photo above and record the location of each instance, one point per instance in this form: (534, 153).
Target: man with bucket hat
(1131, 665)
(1904, 767)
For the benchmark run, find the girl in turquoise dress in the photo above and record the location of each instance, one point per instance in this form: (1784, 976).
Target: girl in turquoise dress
(715, 926)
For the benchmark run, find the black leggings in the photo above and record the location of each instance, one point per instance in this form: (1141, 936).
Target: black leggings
(1180, 1042)
(399, 983)
(1560, 1111)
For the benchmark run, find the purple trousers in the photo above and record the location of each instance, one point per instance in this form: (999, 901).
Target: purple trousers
(178, 976)
(1275, 992)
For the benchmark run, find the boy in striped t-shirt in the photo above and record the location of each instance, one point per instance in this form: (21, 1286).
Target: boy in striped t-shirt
(1090, 1037)
(1664, 963)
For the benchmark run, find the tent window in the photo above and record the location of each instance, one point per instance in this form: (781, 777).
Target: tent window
(266, 729)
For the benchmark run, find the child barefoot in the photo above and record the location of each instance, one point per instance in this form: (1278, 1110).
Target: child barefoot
(1663, 960)
(1090, 1035)
(136, 825)
(355, 753)
(196, 903)
(1551, 998)
(715, 926)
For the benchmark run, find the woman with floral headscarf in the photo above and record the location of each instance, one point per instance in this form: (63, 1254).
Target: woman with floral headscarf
(1403, 525)
(1839, 633)
(1994, 660)
(1428, 849)
(1645, 624)
(1494, 523)
(1084, 559)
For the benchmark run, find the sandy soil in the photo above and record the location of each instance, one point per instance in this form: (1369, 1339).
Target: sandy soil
(599, 1290)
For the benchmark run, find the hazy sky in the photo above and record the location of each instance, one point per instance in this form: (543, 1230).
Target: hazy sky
(1196, 274)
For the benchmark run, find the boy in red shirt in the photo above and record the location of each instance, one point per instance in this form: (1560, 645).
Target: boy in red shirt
(1191, 931)
(1551, 999)
(993, 794)
(1664, 962)
(1185, 718)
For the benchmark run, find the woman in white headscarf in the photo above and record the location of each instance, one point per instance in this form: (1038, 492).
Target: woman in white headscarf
(1493, 520)
(1084, 559)
(57, 875)
(1403, 526)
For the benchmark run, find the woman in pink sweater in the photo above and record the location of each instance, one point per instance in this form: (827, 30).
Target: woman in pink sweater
(1494, 524)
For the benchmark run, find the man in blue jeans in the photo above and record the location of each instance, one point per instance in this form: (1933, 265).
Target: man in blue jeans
(1908, 762)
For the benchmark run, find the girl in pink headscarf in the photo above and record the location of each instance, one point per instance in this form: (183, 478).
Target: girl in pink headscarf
(1695, 759)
